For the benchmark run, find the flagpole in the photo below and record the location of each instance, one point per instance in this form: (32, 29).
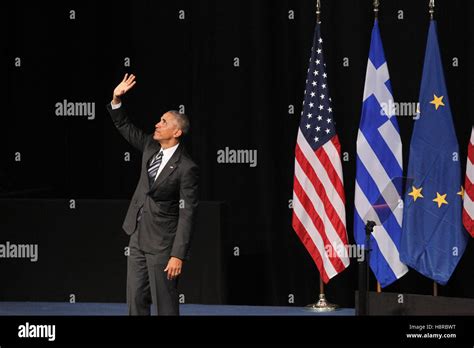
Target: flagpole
(322, 305)
(379, 287)
(318, 11)
(432, 6)
(376, 8)
(435, 289)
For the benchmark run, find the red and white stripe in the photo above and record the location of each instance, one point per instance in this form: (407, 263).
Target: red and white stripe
(319, 216)
(468, 210)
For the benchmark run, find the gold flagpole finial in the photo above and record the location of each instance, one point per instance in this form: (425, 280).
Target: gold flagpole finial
(432, 6)
(376, 8)
(318, 11)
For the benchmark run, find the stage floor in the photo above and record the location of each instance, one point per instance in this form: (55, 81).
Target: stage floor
(117, 309)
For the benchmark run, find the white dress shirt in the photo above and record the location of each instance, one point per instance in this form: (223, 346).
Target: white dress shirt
(115, 106)
(167, 153)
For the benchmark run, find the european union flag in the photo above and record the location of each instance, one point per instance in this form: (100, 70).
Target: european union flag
(433, 238)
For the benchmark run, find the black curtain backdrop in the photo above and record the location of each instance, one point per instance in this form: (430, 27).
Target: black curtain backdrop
(190, 62)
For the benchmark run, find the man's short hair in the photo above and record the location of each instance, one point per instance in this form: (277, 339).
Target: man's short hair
(182, 120)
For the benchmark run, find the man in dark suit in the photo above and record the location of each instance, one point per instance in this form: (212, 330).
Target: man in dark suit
(160, 216)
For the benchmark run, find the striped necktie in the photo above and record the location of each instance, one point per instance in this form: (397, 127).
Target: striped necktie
(154, 166)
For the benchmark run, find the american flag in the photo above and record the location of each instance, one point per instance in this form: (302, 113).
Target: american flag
(319, 216)
(468, 209)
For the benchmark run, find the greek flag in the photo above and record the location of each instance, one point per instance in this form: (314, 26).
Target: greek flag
(379, 170)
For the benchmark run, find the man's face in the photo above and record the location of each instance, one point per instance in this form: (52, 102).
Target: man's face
(167, 128)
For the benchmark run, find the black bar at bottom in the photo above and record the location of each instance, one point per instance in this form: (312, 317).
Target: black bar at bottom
(242, 329)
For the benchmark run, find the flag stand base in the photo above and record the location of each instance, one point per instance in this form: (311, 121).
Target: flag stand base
(322, 305)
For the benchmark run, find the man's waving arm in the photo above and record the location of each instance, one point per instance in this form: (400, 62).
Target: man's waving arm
(135, 136)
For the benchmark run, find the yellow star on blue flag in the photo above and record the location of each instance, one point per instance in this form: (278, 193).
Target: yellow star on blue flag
(431, 231)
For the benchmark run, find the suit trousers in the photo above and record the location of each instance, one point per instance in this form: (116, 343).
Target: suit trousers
(147, 283)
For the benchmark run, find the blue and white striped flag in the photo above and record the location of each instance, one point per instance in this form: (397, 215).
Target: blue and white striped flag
(379, 170)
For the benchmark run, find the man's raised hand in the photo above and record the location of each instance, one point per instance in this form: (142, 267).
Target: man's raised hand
(123, 87)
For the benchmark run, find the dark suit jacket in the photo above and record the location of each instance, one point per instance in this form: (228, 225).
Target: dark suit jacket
(170, 203)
